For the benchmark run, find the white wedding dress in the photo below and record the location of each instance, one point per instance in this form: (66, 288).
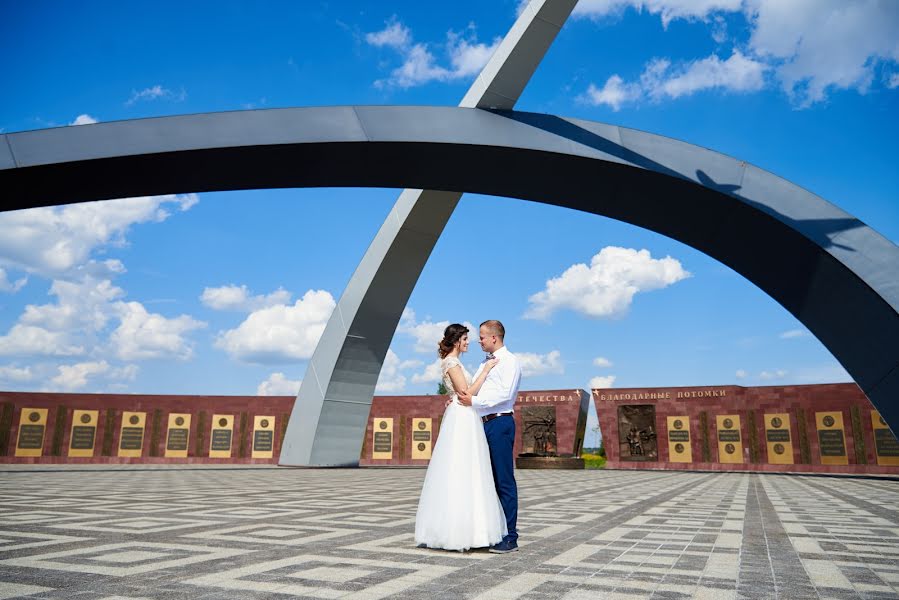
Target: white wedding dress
(459, 508)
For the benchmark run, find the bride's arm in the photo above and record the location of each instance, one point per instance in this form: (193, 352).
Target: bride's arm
(475, 386)
(458, 378)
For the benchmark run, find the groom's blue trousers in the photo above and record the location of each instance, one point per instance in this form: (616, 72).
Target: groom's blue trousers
(500, 434)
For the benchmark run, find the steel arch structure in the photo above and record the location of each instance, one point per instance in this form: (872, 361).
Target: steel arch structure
(838, 276)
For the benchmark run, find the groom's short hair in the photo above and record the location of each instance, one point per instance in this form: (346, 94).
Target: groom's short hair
(496, 328)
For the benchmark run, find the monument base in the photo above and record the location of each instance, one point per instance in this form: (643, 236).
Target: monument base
(549, 462)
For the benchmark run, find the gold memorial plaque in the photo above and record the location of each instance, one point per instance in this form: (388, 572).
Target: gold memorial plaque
(32, 426)
(831, 438)
(222, 434)
(778, 439)
(885, 443)
(84, 433)
(131, 435)
(679, 449)
(421, 439)
(178, 436)
(730, 440)
(382, 442)
(263, 437)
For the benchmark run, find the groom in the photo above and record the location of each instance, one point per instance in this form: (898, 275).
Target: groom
(495, 403)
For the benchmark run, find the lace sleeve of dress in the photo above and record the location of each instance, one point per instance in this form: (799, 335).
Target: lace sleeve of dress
(449, 362)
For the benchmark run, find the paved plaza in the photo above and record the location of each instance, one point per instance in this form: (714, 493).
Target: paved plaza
(173, 532)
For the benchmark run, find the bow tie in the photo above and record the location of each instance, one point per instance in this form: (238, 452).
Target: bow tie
(490, 356)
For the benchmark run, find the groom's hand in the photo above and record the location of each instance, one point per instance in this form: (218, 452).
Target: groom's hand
(464, 398)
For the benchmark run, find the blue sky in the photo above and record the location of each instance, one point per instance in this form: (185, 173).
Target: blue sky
(226, 293)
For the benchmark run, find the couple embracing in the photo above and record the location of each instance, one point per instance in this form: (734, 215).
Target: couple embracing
(469, 498)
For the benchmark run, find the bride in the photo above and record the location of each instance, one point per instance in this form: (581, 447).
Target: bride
(459, 508)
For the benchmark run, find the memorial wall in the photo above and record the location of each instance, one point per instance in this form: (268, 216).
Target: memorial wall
(133, 428)
(810, 428)
(830, 428)
(402, 430)
(129, 428)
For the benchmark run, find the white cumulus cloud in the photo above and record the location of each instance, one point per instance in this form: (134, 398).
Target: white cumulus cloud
(811, 47)
(232, 297)
(84, 120)
(773, 374)
(428, 333)
(668, 10)
(391, 378)
(794, 333)
(80, 319)
(540, 364)
(124, 373)
(466, 56)
(156, 92)
(87, 316)
(602, 362)
(820, 45)
(143, 335)
(85, 305)
(11, 286)
(278, 384)
(394, 35)
(76, 376)
(604, 381)
(605, 288)
(660, 80)
(719, 29)
(419, 67)
(57, 240)
(614, 93)
(736, 74)
(741, 374)
(16, 374)
(72, 377)
(281, 333)
(68, 326)
(29, 340)
(431, 374)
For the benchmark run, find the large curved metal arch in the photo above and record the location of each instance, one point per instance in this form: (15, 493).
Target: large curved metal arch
(838, 276)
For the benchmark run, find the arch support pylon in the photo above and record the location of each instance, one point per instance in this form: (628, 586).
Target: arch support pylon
(328, 419)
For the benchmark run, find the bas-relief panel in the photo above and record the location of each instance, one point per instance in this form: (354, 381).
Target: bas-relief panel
(538, 431)
(637, 433)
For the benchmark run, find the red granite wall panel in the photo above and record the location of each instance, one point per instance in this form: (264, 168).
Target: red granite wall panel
(403, 409)
(742, 401)
(568, 405)
(276, 406)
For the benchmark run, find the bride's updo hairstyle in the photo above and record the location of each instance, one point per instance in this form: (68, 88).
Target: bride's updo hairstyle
(452, 334)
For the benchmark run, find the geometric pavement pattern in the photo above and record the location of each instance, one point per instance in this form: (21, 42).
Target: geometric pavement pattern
(265, 532)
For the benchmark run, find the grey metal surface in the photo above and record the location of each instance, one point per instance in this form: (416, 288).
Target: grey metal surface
(838, 276)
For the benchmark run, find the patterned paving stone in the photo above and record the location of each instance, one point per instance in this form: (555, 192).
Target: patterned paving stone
(165, 533)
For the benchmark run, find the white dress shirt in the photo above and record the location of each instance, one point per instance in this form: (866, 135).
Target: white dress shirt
(500, 389)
